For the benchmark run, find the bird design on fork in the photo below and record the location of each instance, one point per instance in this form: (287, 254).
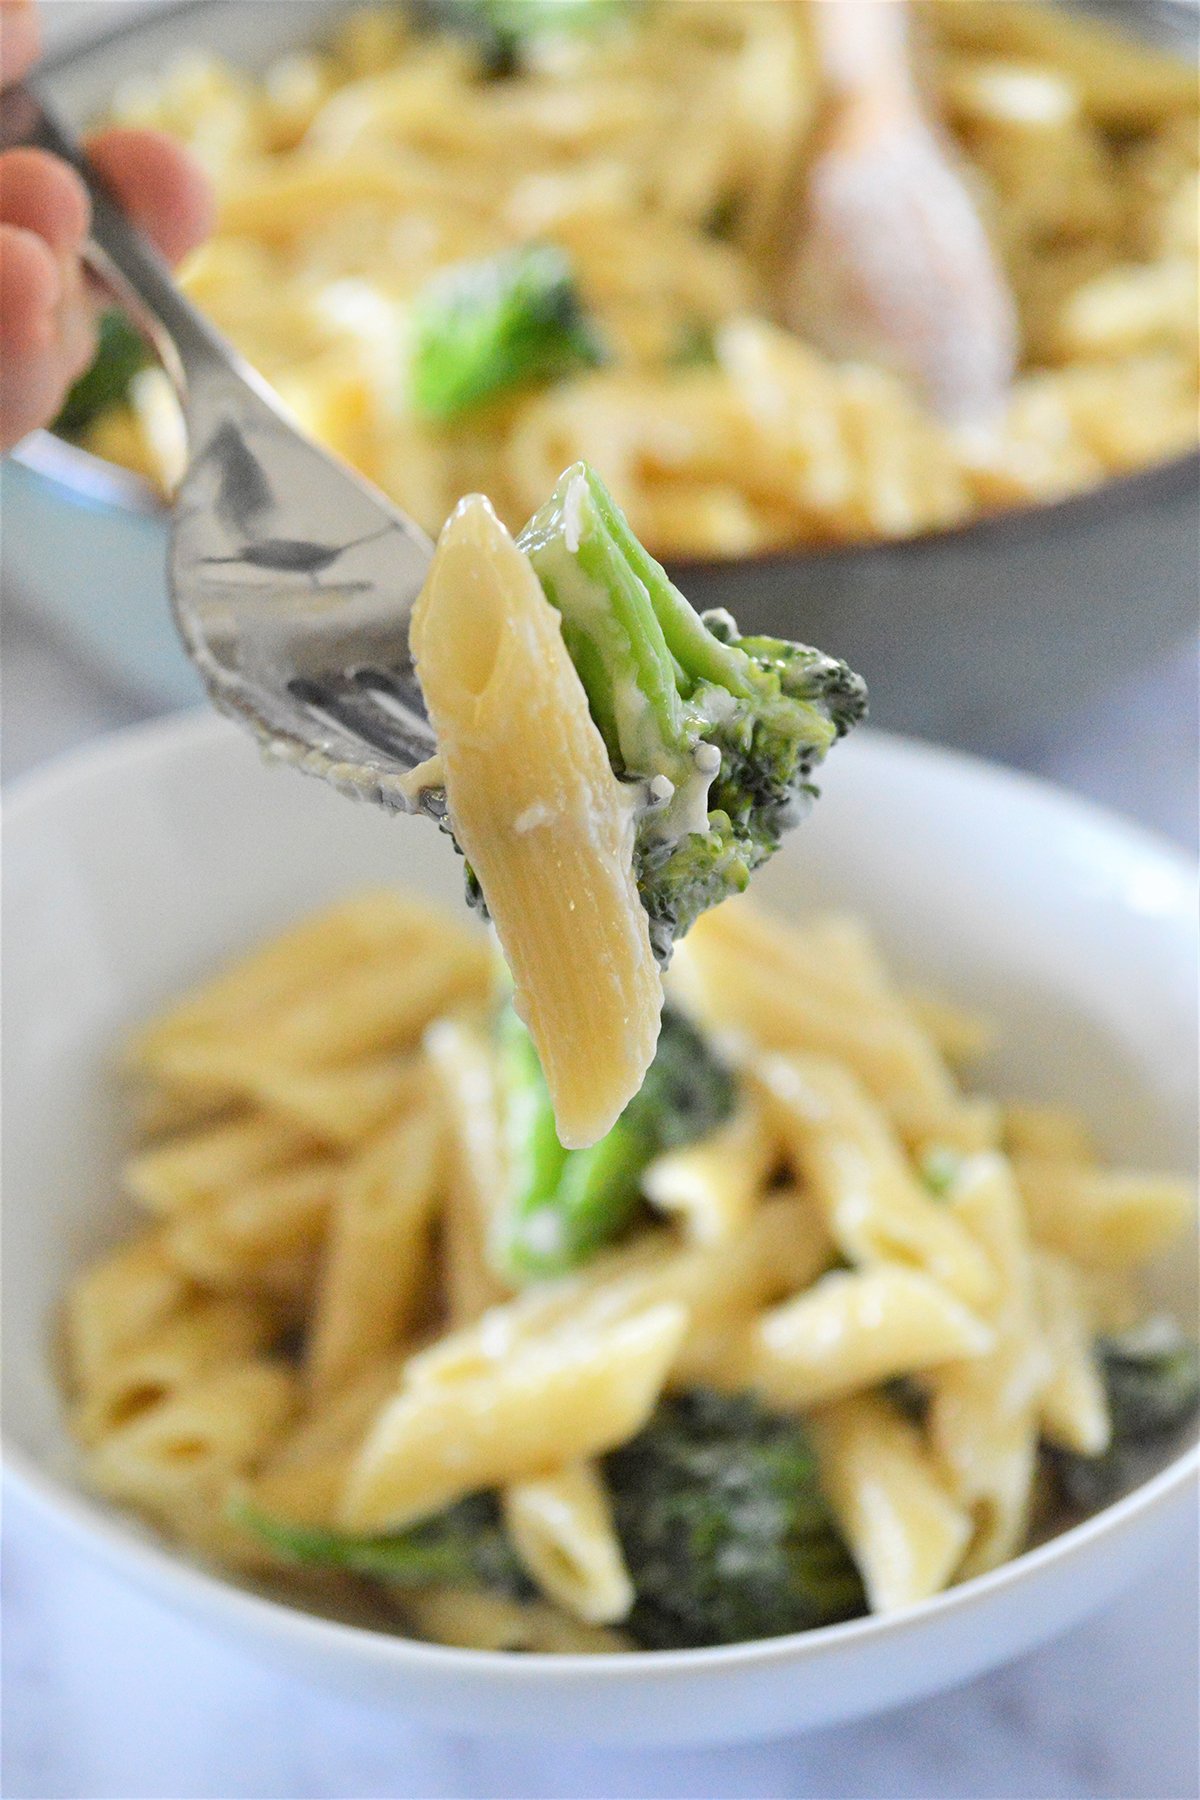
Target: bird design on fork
(294, 556)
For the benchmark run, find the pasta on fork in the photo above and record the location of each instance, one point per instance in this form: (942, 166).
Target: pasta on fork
(613, 765)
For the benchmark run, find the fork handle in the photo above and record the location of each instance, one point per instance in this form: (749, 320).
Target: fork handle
(117, 252)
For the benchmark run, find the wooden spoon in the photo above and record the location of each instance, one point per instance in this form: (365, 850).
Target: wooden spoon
(893, 264)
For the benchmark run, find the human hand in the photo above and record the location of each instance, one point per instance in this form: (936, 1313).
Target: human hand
(47, 307)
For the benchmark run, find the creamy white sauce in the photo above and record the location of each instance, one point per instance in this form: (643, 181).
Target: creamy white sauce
(532, 817)
(573, 512)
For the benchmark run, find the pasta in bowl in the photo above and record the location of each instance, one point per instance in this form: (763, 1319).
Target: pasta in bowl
(926, 1292)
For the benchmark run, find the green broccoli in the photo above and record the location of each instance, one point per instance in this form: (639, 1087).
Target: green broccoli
(723, 1526)
(465, 1546)
(480, 329)
(506, 28)
(120, 352)
(1152, 1380)
(720, 732)
(563, 1204)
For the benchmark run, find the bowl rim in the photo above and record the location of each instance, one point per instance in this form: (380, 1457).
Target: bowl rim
(156, 1567)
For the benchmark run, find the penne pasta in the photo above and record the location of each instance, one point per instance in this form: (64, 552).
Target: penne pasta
(562, 1529)
(195, 1441)
(477, 1169)
(245, 1234)
(569, 1395)
(983, 1412)
(1073, 1407)
(872, 1202)
(1104, 1218)
(713, 1186)
(541, 818)
(117, 1301)
(849, 1323)
(375, 1252)
(473, 1619)
(205, 1335)
(823, 990)
(178, 1175)
(852, 1331)
(906, 1531)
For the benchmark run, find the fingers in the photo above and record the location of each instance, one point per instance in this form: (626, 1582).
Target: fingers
(46, 332)
(20, 39)
(30, 290)
(46, 320)
(40, 193)
(158, 184)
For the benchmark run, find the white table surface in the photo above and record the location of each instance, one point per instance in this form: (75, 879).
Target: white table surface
(104, 1694)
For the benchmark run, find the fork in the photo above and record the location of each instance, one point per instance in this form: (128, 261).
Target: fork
(292, 579)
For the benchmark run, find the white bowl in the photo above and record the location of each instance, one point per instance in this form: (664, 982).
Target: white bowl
(133, 868)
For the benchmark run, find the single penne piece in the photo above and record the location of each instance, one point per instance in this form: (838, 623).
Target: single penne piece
(460, 1057)
(203, 1335)
(873, 1203)
(474, 1619)
(782, 1249)
(307, 1493)
(1103, 1218)
(825, 992)
(340, 1107)
(713, 1186)
(570, 1394)
(562, 1529)
(365, 1010)
(983, 1412)
(196, 1440)
(855, 1330)
(904, 1528)
(291, 964)
(237, 1237)
(339, 1422)
(958, 1035)
(117, 1301)
(377, 1251)
(1073, 1406)
(1047, 1133)
(541, 818)
(187, 1171)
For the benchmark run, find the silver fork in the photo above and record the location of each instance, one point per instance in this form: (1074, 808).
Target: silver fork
(292, 579)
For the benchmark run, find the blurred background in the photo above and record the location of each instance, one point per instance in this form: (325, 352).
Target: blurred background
(1025, 589)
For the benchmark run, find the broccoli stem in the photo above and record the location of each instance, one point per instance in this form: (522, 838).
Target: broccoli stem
(536, 1158)
(610, 626)
(465, 1546)
(564, 1204)
(722, 732)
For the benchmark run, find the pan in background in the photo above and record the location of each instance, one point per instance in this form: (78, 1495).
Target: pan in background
(981, 636)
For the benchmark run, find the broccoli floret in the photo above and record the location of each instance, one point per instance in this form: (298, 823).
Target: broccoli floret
(120, 352)
(723, 1526)
(507, 28)
(563, 1204)
(1152, 1380)
(482, 328)
(721, 732)
(465, 1546)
